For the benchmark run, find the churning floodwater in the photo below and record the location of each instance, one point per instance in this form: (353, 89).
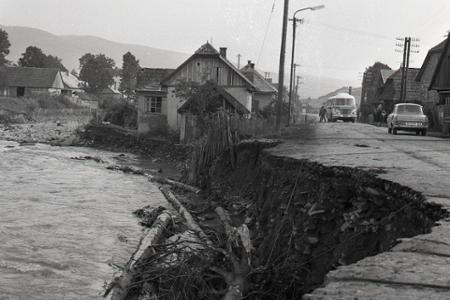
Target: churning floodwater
(64, 224)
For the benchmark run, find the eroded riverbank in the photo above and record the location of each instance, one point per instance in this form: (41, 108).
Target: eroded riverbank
(304, 220)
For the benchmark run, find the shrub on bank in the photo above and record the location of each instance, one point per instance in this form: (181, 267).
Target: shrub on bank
(121, 114)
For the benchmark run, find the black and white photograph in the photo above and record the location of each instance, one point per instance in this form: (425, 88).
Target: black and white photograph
(224, 149)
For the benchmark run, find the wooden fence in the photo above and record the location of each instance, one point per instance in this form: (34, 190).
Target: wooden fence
(221, 132)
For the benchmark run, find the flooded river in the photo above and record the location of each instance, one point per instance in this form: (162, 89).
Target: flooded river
(64, 223)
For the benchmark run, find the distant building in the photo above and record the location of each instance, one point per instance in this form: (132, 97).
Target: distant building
(265, 92)
(72, 85)
(390, 93)
(25, 81)
(374, 79)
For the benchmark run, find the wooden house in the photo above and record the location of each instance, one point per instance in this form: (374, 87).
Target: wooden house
(440, 82)
(159, 103)
(152, 100)
(25, 81)
(390, 93)
(430, 97)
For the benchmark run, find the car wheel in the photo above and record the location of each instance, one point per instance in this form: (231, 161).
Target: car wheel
(394, 130)
(418, 132)
(424, 132)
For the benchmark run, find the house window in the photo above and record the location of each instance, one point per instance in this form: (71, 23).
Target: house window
(153, 104)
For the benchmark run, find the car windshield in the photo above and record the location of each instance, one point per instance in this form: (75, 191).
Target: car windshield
(409, 109)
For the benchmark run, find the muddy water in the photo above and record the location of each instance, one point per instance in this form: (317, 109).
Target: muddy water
(64, 224)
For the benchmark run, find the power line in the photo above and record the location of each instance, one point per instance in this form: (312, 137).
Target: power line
(355, 31)
(265, 34)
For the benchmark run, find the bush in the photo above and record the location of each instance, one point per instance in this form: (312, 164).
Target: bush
(122, 114)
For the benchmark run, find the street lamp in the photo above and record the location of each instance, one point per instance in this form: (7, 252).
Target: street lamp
(294, 26)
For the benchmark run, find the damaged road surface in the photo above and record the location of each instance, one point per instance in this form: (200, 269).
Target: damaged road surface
(417, 267)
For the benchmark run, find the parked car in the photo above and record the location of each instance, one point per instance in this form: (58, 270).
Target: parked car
(407, 117)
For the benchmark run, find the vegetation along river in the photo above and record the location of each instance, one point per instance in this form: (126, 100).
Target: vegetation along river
(64, 224)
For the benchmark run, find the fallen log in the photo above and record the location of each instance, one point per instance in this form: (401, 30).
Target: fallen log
(191, 224)
(163, 180)
(236, 279)
(120, 286)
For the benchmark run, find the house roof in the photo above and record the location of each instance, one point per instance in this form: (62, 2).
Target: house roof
(435, 51)
(208, 50)
(257, 79)
(233, 102)
(108, 91)
(385, 74)
(445, 49)
(70, 81)
(29, 77)
(392, 89)
(149, 79)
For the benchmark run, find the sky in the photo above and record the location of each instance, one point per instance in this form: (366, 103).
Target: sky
(339, 41)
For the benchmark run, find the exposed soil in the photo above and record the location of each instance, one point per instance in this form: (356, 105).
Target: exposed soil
(305, 219)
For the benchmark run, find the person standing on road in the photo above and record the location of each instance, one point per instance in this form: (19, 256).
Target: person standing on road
(323, 114)
(378, 114)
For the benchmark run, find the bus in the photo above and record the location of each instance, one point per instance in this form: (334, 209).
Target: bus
(341, 107)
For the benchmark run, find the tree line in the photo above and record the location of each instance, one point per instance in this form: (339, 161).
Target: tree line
(96, 70)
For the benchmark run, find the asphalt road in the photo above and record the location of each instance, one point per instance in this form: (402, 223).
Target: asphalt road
(417, 268)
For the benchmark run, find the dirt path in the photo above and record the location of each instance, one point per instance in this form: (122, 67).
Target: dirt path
(417, 268)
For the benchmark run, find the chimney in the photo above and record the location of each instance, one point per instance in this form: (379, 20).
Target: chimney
(223, 52)
(252, 65)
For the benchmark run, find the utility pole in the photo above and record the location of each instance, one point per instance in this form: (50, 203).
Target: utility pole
(291, 82)
(349, 90)
(405, 63)
(296, 86)
(239, 61)
(281, 67)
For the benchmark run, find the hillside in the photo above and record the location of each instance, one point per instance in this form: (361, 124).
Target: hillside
(70, 48)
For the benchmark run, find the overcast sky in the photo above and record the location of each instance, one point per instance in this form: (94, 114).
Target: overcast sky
(338, 41)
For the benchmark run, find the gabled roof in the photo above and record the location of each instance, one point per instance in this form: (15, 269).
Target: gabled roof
(257, 79)
(149, 79)
(436, 50)
(385, 74)
(208, 50)
(30, 77)
(71, 81)
(445, 49)
(391, 90)
(240, 108)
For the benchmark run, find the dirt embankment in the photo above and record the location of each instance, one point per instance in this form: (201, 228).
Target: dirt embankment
(45, 119)
(304, 219)
(116, 138)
